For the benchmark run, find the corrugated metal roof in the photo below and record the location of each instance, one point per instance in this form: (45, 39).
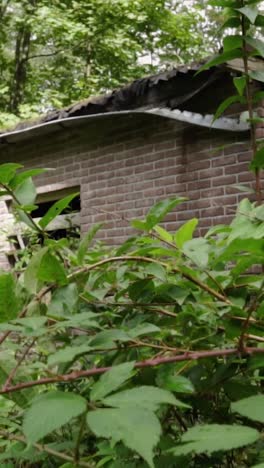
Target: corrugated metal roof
(174, 89)
(227, 124)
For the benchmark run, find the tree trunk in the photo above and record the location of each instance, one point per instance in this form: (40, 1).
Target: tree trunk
(21, 64)
(20, 69)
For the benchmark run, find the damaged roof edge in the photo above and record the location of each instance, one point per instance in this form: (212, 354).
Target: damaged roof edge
(224, 123)
(171, 89)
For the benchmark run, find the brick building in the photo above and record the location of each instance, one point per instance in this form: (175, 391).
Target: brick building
(149, 140)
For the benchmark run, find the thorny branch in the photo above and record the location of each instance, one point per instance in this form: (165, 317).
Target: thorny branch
(14, 370)
(187, 356)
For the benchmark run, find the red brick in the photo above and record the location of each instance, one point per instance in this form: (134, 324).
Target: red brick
(223, 161)
(246, 177)
(212, 212)
(225, 180)
(236, 148)
(127, 168)
(236, 169)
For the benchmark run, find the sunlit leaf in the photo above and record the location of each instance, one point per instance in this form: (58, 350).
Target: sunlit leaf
(56, 209)
(50, 411)
(145, 397)
(211, 438)
(138, 428)
(111, 380)
(251, 408)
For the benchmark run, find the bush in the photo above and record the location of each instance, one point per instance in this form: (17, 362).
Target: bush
(147, 355)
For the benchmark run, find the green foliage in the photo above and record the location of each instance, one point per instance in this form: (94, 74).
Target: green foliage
(56, 210)
(55, 53)
(111, 380)
(252, 407)
(138, 428)
(185, 233)
(251, 12)
(215, 437)
(50, 411)
(9, 302)
(146, 397)
(109, 313)
(151, 353)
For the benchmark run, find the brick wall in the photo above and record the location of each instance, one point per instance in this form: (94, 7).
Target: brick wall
(129, 164)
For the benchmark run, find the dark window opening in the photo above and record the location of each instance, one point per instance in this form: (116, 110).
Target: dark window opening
(66, 226)
(73, 207)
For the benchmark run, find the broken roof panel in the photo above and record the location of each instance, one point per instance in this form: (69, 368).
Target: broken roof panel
(180, 88)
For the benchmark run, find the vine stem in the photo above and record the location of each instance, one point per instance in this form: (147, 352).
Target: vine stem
(187, 356)
(151, 306)
(31, 220)
(24, 311)
(14, 370)
(137, 258)
(79, 439)
(44, 448)
(250, 106)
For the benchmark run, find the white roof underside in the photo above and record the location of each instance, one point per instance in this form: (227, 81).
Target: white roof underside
(223, 123)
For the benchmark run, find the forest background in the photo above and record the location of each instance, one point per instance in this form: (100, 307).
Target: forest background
(53, 53)
(149, 354)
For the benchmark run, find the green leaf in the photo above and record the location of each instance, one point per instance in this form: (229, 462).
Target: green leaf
(82, 319)
(232, 22)
(67, 465)
(158, 212)
(86, 241)
(243, 188)
(22, 176)
(219, 59)
(141, 225)
(56, 209)
(31, 323)
(197, 250)
(156, 270)
(257, 75)
(68, 354)
(143, 329)
(212, 438)
(31, 280)
(250, 12)
(8, 301)
(185, 232)
(225, 104)
(258, 160)
(240, 84)
(50, 411)
(108, 338)
(260, 465)
(251, 408)
(138, 428)
(232, 42)
(259, 21)
(64, 301)
(145, 397)
(257, 44)
(224, 3)
(7, 364)
(111, 380)
(167, 378)
(163, 234)
(26, 192)
(7, 172)
(142, 290)
(51, 269)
